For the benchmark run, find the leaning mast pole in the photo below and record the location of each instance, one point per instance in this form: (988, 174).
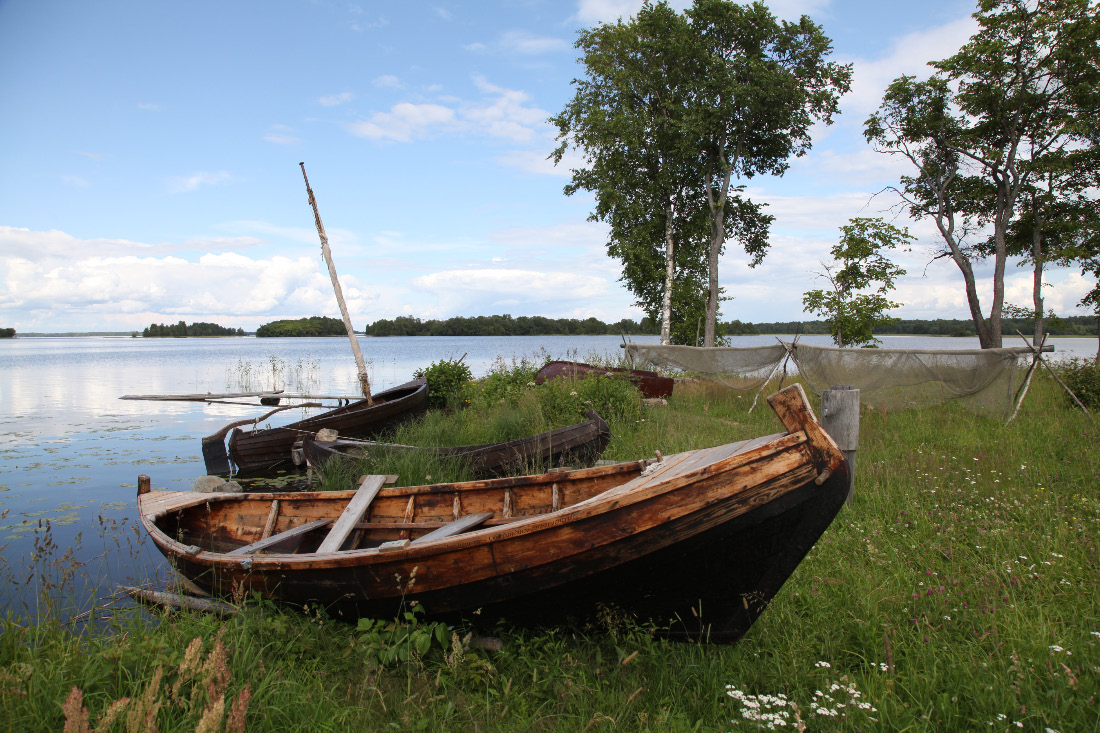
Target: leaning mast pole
(364, 381)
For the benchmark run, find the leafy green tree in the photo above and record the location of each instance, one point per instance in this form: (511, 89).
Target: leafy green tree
(859, 277)
(983, 129)
(760, 86)
(671, 111)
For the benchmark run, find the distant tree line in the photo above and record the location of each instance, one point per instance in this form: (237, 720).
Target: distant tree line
(183, 330)
(312, 326)
(1065, 326)
(7, 333)
(506, 325)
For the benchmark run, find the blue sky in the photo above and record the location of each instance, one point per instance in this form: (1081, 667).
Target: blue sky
(150, 163)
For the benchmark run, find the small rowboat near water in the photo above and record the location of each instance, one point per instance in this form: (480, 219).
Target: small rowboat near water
(651, 384)
(264, 449)
(574, 444)
(699, 541)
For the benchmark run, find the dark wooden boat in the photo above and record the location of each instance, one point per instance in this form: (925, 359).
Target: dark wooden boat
(264, 449)
(574, 444)
(651, 384)
(699, 541)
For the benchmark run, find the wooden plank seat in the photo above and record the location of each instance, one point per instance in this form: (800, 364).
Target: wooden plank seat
(369, 487)
(458, 526)
(275, 539)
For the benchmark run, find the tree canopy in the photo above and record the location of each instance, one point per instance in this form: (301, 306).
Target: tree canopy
(183, 330)
(312, 326)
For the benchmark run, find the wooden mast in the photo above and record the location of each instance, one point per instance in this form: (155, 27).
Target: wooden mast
(364, 381)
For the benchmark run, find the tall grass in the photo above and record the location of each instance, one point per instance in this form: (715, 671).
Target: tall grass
(959, 591)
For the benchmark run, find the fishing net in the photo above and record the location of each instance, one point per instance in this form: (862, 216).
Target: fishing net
(740, 368)
(984, 380)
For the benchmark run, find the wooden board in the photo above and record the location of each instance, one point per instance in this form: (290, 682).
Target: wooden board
(353, 512)
(452, 528)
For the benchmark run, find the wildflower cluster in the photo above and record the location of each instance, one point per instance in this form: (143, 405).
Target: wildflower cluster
(840, 700)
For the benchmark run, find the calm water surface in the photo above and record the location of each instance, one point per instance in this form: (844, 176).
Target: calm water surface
(71, 450)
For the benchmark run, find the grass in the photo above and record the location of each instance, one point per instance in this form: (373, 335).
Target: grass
(959, 591)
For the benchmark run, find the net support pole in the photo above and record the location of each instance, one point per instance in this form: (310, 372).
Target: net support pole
(840, 419)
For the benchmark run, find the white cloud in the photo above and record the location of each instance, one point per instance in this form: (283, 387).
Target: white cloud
(475, 47)
(184, 184)
(335, 100)
(404, 122)
(49, 275)
(280, 138)
(525, 43)
(503, 113)
(387, 81)
(506, 115)
(908, 56)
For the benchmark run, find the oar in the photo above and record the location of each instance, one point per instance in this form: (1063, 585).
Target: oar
(213, 446)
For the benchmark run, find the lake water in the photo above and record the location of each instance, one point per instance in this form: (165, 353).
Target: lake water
(71, 450)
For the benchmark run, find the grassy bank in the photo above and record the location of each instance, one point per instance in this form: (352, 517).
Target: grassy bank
(959, 591)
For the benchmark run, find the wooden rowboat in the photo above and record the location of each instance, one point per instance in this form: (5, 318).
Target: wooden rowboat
(699, 541)
(580, 443)
(263, 449)
(651, 384)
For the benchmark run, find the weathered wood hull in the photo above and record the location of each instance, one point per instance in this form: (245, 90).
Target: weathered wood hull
(269, 448)
(581, 443)
(699, 542)
(650, 384)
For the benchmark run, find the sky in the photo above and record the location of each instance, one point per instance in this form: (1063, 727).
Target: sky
(150, 171)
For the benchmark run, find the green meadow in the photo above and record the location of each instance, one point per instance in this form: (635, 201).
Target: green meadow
(960, 590)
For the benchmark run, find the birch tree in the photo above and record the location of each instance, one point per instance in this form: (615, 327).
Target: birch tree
(626, 120)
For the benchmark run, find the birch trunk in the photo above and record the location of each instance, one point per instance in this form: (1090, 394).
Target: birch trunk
(670, 272)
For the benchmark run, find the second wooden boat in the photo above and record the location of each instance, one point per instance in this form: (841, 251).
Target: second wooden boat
(574, 444)
(699, 542)
(264, 449)
(651, 384)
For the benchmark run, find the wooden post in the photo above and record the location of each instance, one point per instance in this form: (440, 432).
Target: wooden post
(840, 419)
(364, 382)
(144, 483)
